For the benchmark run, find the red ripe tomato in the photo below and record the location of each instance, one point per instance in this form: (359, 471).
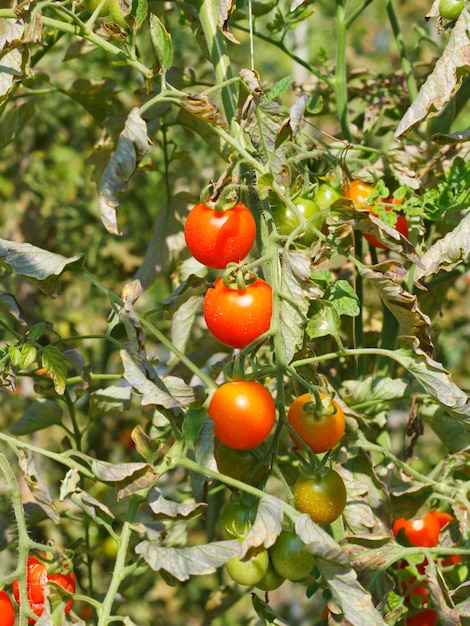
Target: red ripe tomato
(442, 517)
(236, 317)
(422, 532)
(423, 618)
(359, 192)
(243, 412)
(216, 238)
(7, 612)
(37, 579)
(401, 225)
(322, 496)
(411, 588)
(320, 432)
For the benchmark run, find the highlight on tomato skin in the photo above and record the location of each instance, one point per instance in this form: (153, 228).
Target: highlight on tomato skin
(216, 238)
(421, 532)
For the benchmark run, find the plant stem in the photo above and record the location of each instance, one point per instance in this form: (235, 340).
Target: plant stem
(80, 29)
(405, 62)
(341, 71)
(119, 566)
(23, 537)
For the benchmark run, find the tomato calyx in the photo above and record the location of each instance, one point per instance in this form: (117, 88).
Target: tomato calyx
(320, 405)
(238, 278)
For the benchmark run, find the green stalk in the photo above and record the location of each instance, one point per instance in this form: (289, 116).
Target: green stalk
(104, 612)
(388, 340)
(405, 62)
(341, 92)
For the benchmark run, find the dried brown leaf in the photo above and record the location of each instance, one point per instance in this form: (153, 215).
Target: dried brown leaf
(446, 78)
(384, 278)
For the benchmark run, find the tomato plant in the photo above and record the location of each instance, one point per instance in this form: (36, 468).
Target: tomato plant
(239, 464)
(290, 557)
(418, 532)
(451, 9)
(321, 428)
(236, 317)
(7, 611)
(237, 517)
(322, 496)
(108, 133)
(37, 578)
(216, 238)
(249, 571)
(243, 413)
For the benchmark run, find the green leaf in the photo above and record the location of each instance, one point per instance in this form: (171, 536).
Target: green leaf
(37, 330)
(15, 355)
(161, 40)
(193, 423)
(53, 361)
(344, 298)
(41, 414)
(266, 612)
(280, 88)
(28, 355)
(323, 320)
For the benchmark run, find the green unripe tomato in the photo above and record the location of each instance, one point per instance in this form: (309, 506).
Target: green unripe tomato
(250, 571)
(326, 195)
(238, 464)
(286, 221)
(290, 557)
(236, 519)
(91, 5)
(117, 13)
(271, 580)
(451, 9)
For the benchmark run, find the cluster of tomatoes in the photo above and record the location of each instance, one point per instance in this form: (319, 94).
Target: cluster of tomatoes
(359, 192)
(266, 569)
(238, 306)
(421, 532)
(58, 578)
(312, 211)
